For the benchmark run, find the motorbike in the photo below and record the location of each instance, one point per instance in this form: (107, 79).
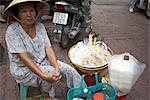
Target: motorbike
(3, 5)
(67, 20)
(144, 5)
(5, 2)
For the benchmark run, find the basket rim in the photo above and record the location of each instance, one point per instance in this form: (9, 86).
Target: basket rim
(92, 69)
(89, 68)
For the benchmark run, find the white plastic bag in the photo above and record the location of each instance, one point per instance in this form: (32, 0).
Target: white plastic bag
(124, 70)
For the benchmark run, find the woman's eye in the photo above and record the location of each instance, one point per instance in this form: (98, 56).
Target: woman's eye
(23, 11)
(32, 10)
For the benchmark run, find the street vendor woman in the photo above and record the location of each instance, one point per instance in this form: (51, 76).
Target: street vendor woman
(32, 59)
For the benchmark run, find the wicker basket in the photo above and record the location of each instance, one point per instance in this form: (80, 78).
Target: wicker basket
(86, 70)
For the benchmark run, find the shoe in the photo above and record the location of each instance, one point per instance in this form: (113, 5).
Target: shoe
(131, 10)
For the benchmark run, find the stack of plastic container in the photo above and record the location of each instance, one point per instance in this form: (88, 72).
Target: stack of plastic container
(124, 70)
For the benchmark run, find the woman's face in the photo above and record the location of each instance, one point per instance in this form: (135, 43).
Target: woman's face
(27, 13)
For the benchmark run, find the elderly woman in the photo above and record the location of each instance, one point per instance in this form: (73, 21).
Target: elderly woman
(32, 59)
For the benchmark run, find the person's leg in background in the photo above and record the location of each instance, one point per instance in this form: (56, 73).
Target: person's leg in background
(132, 5)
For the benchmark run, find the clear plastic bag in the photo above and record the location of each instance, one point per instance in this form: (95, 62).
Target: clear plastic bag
(124, 70)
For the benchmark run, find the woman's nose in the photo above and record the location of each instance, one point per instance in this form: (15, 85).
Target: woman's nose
(28, 13)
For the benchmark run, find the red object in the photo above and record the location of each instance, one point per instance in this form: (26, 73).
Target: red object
(121, 97)
(98, 96)
(90, 79)
(60, 7)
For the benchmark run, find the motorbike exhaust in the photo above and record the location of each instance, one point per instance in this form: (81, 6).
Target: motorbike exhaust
(74, 31)
(72, 34)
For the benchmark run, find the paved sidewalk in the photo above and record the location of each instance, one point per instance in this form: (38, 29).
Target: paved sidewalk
(125, 32)
(121, 30)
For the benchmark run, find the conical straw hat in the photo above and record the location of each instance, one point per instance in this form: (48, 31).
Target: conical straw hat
(41, 5)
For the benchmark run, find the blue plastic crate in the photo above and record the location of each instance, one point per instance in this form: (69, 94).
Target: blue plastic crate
(87, 92)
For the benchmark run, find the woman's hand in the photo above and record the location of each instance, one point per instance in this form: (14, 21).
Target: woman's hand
(57, 72)
(51, 77)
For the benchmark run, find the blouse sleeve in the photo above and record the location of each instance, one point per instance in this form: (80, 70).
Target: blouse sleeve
(47, 42)
(14, 42)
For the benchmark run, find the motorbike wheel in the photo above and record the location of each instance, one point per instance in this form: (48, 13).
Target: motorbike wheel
(64, 38)
(64, 42)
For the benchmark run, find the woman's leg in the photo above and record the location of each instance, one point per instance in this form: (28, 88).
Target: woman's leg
(132, 3)
(69, 75)
(34, 81)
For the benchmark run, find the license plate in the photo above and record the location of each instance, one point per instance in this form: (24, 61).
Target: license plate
(60, 18)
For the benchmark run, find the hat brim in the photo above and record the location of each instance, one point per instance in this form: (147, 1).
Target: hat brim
(42, 6)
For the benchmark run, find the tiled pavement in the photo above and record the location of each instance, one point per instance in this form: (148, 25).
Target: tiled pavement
(121, 30)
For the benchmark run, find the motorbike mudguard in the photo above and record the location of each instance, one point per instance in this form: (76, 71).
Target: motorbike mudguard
(73, 2)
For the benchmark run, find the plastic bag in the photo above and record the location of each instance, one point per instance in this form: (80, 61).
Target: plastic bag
(124, 70)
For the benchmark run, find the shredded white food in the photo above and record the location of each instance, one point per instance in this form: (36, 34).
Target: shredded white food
(89, 55)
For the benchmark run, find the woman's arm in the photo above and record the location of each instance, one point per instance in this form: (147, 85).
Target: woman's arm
(52, 57)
